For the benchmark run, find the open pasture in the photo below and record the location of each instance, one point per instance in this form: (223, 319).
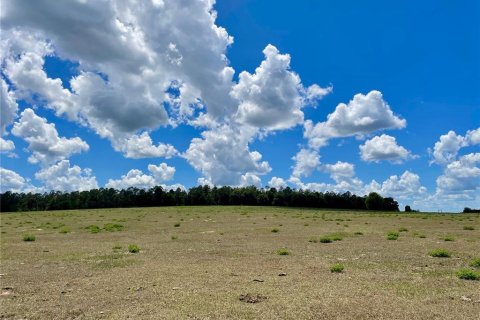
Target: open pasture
(238, 263)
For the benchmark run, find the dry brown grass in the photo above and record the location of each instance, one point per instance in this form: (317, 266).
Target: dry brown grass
(217, 254)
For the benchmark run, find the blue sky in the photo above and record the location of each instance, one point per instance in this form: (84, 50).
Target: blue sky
(152, 95)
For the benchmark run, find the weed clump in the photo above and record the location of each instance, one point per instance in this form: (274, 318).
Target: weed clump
(176, 225)
(64, 230)
(358, 233)
(133, 248)
(468, 274)
(275, 230)
(283, 252)
(475, 263)
(392, 235)
(28, 237)
(468, 228)
(325, 239)
(449, 238)
(439, 253)
(403, 229)
(337, 268)
(112, 227)
(93, 228)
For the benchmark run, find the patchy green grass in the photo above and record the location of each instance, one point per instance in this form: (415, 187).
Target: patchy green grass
(392, 235)
(93, 228)
(28, 237)
(112, 227)
(468, 274)
(283, 252)
(439, 253)
(337, 268)
(221, 252)
(133, 248)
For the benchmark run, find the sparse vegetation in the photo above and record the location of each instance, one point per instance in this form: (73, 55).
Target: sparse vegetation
(28, 237)
(439, 253)
(337, 268)
(133, 248)
(449, 238)
(468, 274)
(325, 240)
(64, 230)
(283, 252)
(468, 228)
(176, 225)
(392, 235)
(112, 227)
(93, 228)
(475, 263)
(275, 230)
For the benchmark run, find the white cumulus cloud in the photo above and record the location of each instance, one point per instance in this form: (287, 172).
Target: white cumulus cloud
(361, 116)
(63, 177)
(43, 140)
(383, 148)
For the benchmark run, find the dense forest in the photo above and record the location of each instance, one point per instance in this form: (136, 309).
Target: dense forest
(201, 195)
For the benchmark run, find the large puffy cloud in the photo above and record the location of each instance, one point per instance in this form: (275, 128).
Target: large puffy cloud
(11, 181)
(461, 178)
(361, 116)
(306, 161)
(273, 96)
(141, 146)
(129, 55)
(446, 149)
(43, 140)
(406, 186)
(63, 177)
(6, 145)
(222, 155)
(8, 107)
(137, 179)
(382, 148)
(277, 183)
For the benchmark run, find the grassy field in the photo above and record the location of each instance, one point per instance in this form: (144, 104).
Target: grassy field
(237, 263)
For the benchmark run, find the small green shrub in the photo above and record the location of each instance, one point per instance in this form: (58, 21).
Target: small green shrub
(337, 268)
(403, 229)
(468, 274)
(174, 237)
(449, 238)
(275, 230)
(176, 225)
(358, 233)
(468, 228)
(133, 248)
(439, 253)
(336, 237)
(283, 252)
(325, 240)
(117, 247)
(112, 227)
(93, 228)
(64, 230)
(475, 263)
(392, 235)
(28, 237)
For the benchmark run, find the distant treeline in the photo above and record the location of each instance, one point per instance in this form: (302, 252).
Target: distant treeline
(470, 210)
(201, 195)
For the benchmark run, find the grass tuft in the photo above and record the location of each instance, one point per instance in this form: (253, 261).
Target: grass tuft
(64, 230)
(28, 237)
(468, 228)
(475, 263)
(337, 268)
(283, 252)
(112, 227)
(449, 238)
(439, 253)
(392, 235)
(176, 225)
(93, 228)
(468, 274)
(275, 230)
(133, 248)
(325, 239)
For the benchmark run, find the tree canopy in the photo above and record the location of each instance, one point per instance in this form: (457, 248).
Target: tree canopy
(200, 195)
